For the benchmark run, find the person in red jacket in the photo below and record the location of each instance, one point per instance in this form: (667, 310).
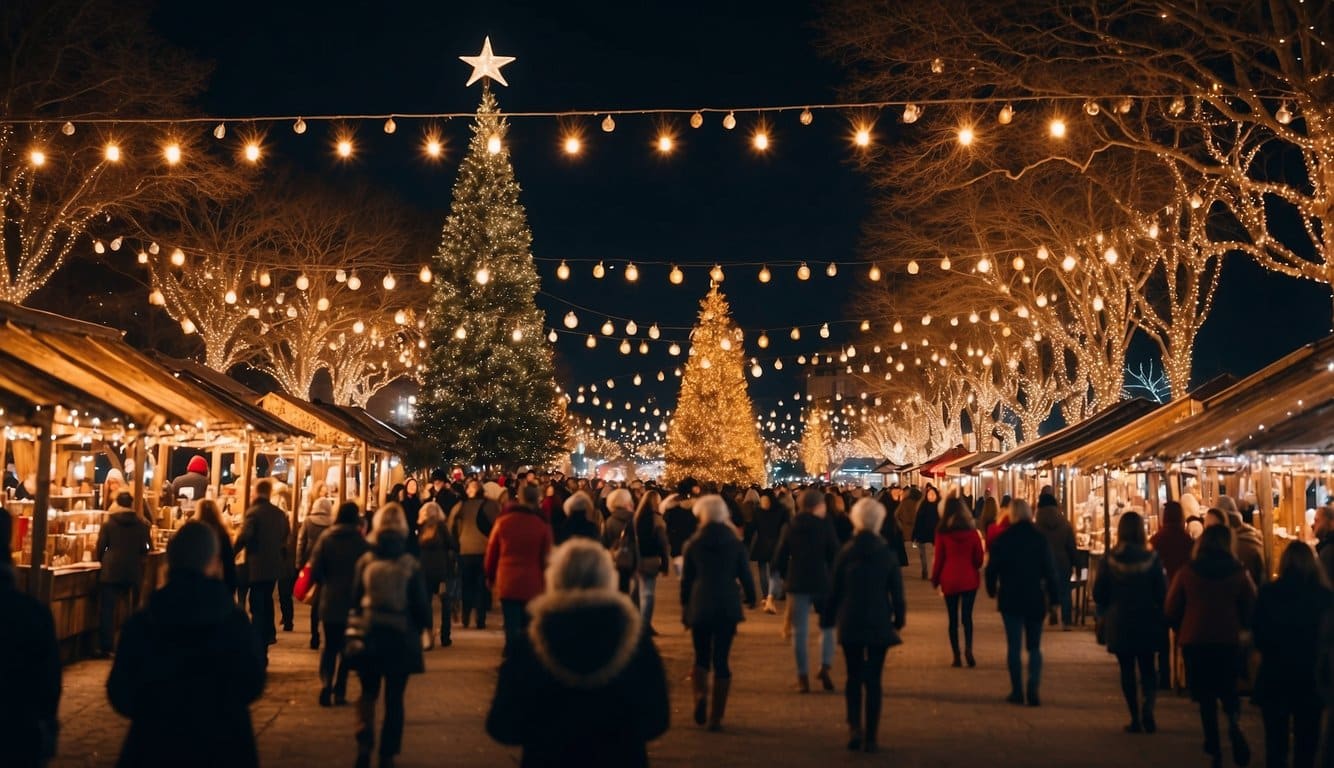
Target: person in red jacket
(516, 558)
(957, 572)
(994, 530)
(1173, 545)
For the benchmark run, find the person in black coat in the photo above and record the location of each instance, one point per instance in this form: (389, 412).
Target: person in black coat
(189, 666)
(263, 538)
(332, 566)
(889, 530)
(714, 561)
(767, 525)
(866, 605)
(1021, 576)
(583, 653)
(805, 558)
(29, 669)
(123, 544)
(439, 554)
(580, 514)
(1289, 614)
(1061, 536)
(1129, 591)
(678, 513)
(924, 527)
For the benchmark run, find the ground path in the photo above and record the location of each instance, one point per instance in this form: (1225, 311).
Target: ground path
(934, 715)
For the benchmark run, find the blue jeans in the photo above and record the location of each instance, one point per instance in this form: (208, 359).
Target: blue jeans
(801, 618)
(1029, 630)
(775, 582)
(648, 586)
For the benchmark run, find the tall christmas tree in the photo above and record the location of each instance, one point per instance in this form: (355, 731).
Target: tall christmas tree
(488, 392)
(713, 435)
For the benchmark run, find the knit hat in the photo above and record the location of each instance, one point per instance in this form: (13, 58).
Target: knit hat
(192, 548)
(492, 490)
(1047, 500)
(115, 474)
(198, 465)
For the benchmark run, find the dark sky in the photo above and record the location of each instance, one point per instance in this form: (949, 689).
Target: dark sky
(713, 200)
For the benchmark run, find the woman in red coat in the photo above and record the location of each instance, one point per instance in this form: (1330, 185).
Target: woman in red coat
(956, 572)
(516, 557)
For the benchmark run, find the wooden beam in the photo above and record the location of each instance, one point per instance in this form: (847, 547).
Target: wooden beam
(139, 461)
(364, 481)
(248, 471)
(342, 478)
(215, 481)
(42, 502)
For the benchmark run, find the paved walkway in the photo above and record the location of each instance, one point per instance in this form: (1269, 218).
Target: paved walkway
(934, 715)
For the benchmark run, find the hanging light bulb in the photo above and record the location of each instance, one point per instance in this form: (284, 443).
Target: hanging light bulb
(1097, 304)
(716, 274)
(460, 333)
(696, 120)
(229, 297)
(252, 152)
(631, 328)
(662, 376)
(156, 298)
(865, 326)
(1005, 115)
(143, 257)
(1196, 201)
(945, 263)
(353, 282)
(493, 145)
(806, 117)
(344, 148)
(608, 124)
(1111, 255)
(631, 272)
(674, 349)
(591, 341)
(643, 347)
(665, 143)
(763, 340)
(483, 275)
(1091, 108)
(388, 282)
(831, 270)
(563, 271)
(874, 273)
(220, 131)
(725, 343)
(972, 317)
(67, 128)
(1018, 263)
(756, 370)
(729, 121)
(98, 247)
(1283, 115)
(265, 279)
(425, 274)
(984, 265)
(653, 332)
(607, 328)
(323, 305)
(824, 331)
(553, 337)
(966, 136)
(910, 113)
(299, 127)
(1153, 230)
(302, 282)
(177, 257)
(994, 316)
(571, 320)
(765, 275)
(705, 363)
(898, 326)
(760, 140)
(1068, 263)
(795, 335)
(599, 270)
(390, 126)
(1056, 128)
(676, 276)
(187, 326)
(913, 267)
(926, 319)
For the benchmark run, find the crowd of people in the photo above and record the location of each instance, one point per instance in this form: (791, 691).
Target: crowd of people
(575, 567)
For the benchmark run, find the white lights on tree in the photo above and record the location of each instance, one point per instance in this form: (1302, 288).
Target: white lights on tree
(984, 265)
(388, 282)
(353, 282)
(1068, 263)
(493, 144)
(177, 257)
(302, 282)
(229, 297)
(913, 267)
(460, 333)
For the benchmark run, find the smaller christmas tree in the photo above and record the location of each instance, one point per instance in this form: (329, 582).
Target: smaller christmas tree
(713, 436)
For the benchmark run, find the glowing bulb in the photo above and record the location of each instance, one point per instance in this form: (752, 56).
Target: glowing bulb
(1111, 255)
(674, 349)
(705, 364)
(1091, 108)
(761, 140)
(302, 282)
(67, 128)
(1153, 230)
(98, 247)
(1068, 263)
(654, 332)
(913, 267)
(631, 272)
(862, 137)
(252, 152)
(299, 127)
(177, 257)
(910, 113)
(220, 131)
(874, 273)
(265, 279)
(716, 274)
(353, 282)
(573, 145)
(676, 276)
(1283, 115)
(425, 274)
(994, 316)
(926, 319)
(563, 271)
(229, 297)
(460, 333)
(806, 117)
(516, 334)
(898, 327)
(591, 341)
(984, 265)
(966, 136)
(112, 153)
(1005, 115)
(552, 337)
(388, 282)
(434, 148)
(765, 275)
(37, 157)
(1041, 301)
(188, 326)
(1097, 304)
(756, 370)
(824, 331)
(665, 143)
(156, 298)
(493, 144)
(607, 328)
(1043, 253)
(729, 121)
(831, 270)
(323, 306)
(763, 341)
(726, 344)
(945, 263)
(143, 257)
(631, 328)
(1056, 128)
(344, 148)
(608, 124)
(803, 272)
(795, 335)
(1196, 201)
(390, 126)
(571, 320)
(1018, 263)
(696, 120)
(972, 317)
(483, 276)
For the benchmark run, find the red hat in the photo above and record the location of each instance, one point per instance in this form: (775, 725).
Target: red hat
(198, 465)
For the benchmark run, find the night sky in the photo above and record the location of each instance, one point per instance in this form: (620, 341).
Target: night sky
(713, 200)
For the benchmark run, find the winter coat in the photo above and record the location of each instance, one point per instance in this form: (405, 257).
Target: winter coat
(583, 654)
(866, 600)
(905, 514)
(1061, 537)
(438, 552)
(805, 555)
(1020, 572)
(842, 528)
(1324, 548)
(29, 674)
(122, 545)
(924, 524)
(614, 526)
(1173, 546)
(516, 556)
(714, 561)
(1211, 601)
(578, 526)
(389, 593)
(193, 480)
(412, 507)
(892, 534)
(471, 523)
(1288, 619)
(317, 521)
(654, 550)
(766, 528)
(333, 566)
(1129, 590)
(958, 562)
(186, 671)
(996, 529)
(263, 537)
(679, 515)
(1250, 550)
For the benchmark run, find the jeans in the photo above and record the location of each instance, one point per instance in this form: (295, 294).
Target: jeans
(924, 554)
(1292, 721)
(712, 647)
(648, 586)
(333, 670)
(763, 567)
(865, 666)
(475, 594)
(516, 621)
(801, 621)
(433, 587)
(1148, 681)
(960, 606)
(115, 602)
(1063, 589)
(286, 582)
(1028, 630)
(1211, 673)
(261, 610)
(391, 732)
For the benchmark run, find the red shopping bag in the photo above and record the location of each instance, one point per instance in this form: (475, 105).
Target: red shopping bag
(304, 589)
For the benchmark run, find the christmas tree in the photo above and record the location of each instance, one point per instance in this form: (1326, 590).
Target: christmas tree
(712, 435)
(488, 393)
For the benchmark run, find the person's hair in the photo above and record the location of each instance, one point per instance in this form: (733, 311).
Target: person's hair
(530, 495)
(1006, 501)
(1300, 564)
(811, 500)
(396, 492)
(580, 564)
(390, 519)
(620, 499)
(430, 511)
(1218, 513)
(207, 512)
(835, 504)
(711, 508)
(412, 481)
(264, 488)
(1020, 511)
(125, 499)
(1130, 531)
(193, 548)
(1174, 516)
(1214, 540)
(867, 515)
(990, 511)
(348, 514)
(646, 515)
(957, 517)
(473, 489)
(581, 501)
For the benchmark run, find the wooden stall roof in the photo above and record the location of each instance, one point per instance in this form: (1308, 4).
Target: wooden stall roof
(1121, 446)
(49, 360)
(1045, 449)
(237, 396)
(377, 433)
(886, 467)
(1310, 433)
(334, 426)
(1296, 384)
(964, 465)
(931, 465)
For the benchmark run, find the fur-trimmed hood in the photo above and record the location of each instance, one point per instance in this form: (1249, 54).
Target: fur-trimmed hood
(586, 637)
(1131, 561)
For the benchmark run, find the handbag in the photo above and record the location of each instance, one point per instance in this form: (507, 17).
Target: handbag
(304, 588)
(355, 649)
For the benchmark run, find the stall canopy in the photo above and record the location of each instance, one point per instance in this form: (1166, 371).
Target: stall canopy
(334, 426)
(964, 465)
(229, 390)
(931, 467)
(1046, 449)
(376, 433)
(887, 467)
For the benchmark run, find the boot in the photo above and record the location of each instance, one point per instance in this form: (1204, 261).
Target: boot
(363, 760)
(958, 661)
(720, 688)
(855, 737)
(1241, 750)
(700, 680)
(1135, 725)
(1146, 714)
(825, 679)
(803, 684)
(769, 606)
(968, 656)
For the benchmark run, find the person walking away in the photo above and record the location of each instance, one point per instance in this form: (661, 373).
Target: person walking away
(207, 512)
(924, 526)
(123, 544)
(991, 513)
(412, 506)
(1061, 536)
(189, 666)
(392, 608)
(618, 536)
(1210, 602)
(1129, 592)
(583, 652)
(678, 513)
(1021, 576)
(333, 566)
(957, 573)
(767, 526)
(1247, 541)
(317, 521)
(805, 558)
(30, 669)
(714, 561)
(1289, 614)
(838, 517)
(1173, 544)
(1323, 528)
(651, 538)
(516, 556)
(439, 554)
(890, 498)
(263, 538)
(581, 519)
(994, 530)
(471, 522)
(906, 513)
(866, 605)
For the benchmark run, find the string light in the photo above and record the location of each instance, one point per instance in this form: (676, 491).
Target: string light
(252, 152)
(831, 270)
(607, 328)
(563, 271)
(591, 341)
(966, 136)
(910, 113)
(763, 340)
(1056, 128)
(760, 140)
(483, 276)
(765, 275)
(696, 120)
(1068, 263)
(608, 124)
(299, 127)
(67, 128)
(37, 157)
(552, 337)
(729, 122)
(390, 126)
(112, 153)
(425, 274)
(676, 276)
(573, 145)
(302, 282)
(716, 274)
(665, 143)
(220, 131)
(1005, 115)
(353, 282)
(795, 335)
(806, 117)
(599, 270)
(874, 273)
(344, 148)
(229, 297)
(433, 147)
(862, 137)
(631, 272)
(172, 153)
(177, 257)
(460, 333)
(389, 282)
(654, 332)
(803, 272)
(187, 326)
(1111, 255)
(265, 280)
(913, 267)
(493, 145)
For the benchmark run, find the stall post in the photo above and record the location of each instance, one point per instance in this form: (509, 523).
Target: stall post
(139, 461)
(215, 482)
(364, 485)
(163, 467)
(382, 482)
(296, 479)
(42, 502)
(1265, 497)
(247, 470)
(342, 477)
(1107, 510)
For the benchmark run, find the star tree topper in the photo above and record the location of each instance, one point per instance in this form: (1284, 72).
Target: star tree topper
(486, 64)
